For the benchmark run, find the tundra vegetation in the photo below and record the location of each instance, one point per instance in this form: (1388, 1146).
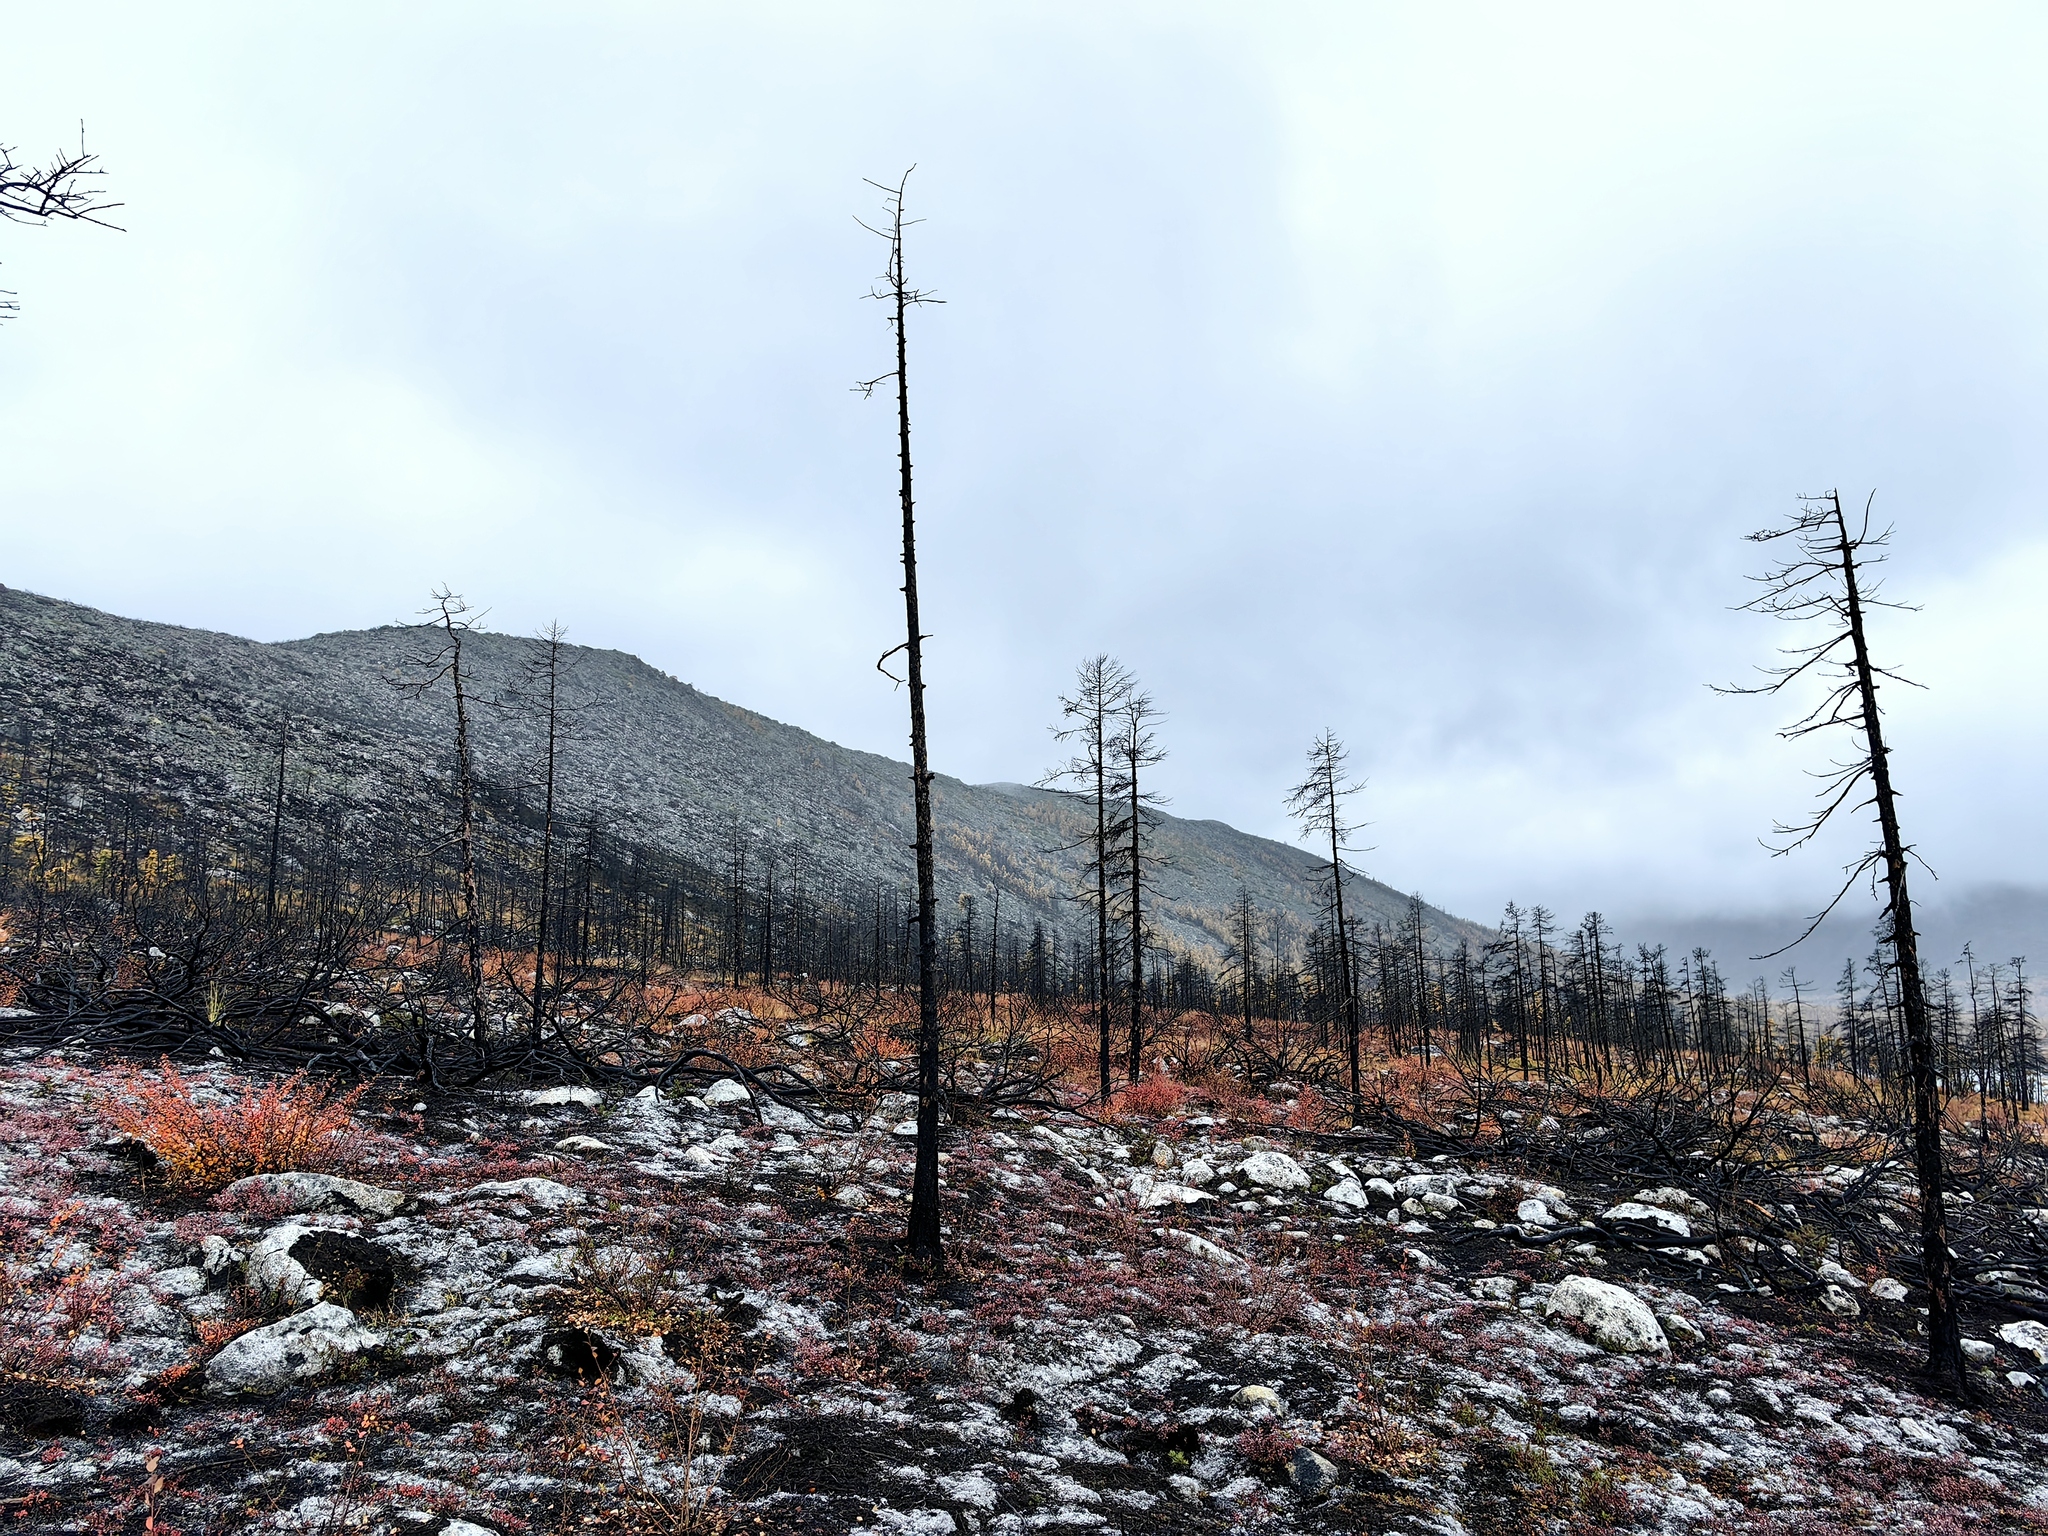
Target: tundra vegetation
(462, 1168)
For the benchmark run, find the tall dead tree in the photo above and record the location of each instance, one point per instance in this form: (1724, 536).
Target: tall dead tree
(1824, 580)
(544, 677)
(455, 619)
(1136, 750)
(67, 188)
(895, 291)
(1317, 804)
(276, 822)
(1100, 687)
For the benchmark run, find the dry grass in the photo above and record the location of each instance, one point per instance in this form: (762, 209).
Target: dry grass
(237, 1128)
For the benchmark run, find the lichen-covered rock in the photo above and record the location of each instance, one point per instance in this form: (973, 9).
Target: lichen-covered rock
(1349, 1193)
(1274, 1170)
(568, 1093)
(545, 1193)
(727, 1090)
(296, 1349)
(302, 1193)
(277, 1277)
(1618, 1320)
(2030, 1337)
(1309, 1475)
(1633, 1213)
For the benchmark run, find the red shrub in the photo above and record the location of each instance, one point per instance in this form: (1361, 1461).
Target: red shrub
(270, 1128)
(1153, 1098)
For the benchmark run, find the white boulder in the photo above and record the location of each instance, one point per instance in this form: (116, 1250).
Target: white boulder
(1618, 1320)
(727, 1090)
(1633, 1213)
(1348, 1193)
(2029, 1337)
(568, 1093)
(1888, 1289)
(298, 1348)
(1274, 1170)
(1534, 1213)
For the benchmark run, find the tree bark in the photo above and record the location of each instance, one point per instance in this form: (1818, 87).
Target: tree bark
(1944, 1338)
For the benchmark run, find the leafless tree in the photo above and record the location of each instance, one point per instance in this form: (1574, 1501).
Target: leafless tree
(1317, 804)
(1100, 686)
(544, 681)
(66, 188)
(1136, 750)
(895, 291)
(450, 614)
(1823, 581)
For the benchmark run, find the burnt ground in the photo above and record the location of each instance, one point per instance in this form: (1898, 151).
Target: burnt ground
(654, 1314)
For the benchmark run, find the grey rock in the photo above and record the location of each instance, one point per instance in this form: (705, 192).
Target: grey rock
(1631, 1213)
(306, 1192)
(299, 1348)
(1274, 1170)
(1617, 1319)
(545, 1193)
(727, 1090)
(568, 1093)
(1311, 1476)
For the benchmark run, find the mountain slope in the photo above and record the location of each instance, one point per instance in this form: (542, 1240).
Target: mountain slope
(193, 715)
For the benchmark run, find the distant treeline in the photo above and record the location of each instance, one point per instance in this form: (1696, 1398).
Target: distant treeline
(1539, 999)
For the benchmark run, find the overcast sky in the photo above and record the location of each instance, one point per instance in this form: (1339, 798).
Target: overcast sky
(1411, 371)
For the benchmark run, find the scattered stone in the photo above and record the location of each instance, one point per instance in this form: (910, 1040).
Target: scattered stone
(1534, 1213)
(2029, 1337)
(541, 1098)
(1258, 1401)
(545, 1193)
(1617, 1319)
(1197, 1171)
(1834, 1274)
(298, 1348)
(850, 1195)
(1838, 1301)
(1194, 1243)
(1887, 1289)
(1162, 1155)
(1494, 1288)
(583, 1144)
(1274, 1170)
(275, 1276)
(1979, 1351)
(1348, 1193)
(1672, 1198)
(1678, 1326)
(1311, 1476)
(302, 1193)
(727, 1090)
(1655, 1218)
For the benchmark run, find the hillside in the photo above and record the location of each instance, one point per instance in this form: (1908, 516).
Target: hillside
(192, 714)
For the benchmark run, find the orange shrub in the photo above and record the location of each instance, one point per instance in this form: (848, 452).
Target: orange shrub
(268, 1128)
(1153, 1097)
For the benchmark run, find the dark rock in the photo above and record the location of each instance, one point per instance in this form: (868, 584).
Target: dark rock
(1311, 1476)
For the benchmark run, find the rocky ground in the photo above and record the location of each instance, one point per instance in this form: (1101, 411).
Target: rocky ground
(553, 1311)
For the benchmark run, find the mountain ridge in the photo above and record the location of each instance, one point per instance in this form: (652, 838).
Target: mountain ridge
(654, 761)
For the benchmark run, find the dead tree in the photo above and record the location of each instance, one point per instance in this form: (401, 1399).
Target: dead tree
(1100, 687)
(455, 619)
(1317, 803)
(545, 680)
(276, 821)
(924, 1236)
(66, 188)
(1135, 750)
(1823, 580)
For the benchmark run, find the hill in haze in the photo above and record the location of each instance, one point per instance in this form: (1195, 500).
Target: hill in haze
(192, 715)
